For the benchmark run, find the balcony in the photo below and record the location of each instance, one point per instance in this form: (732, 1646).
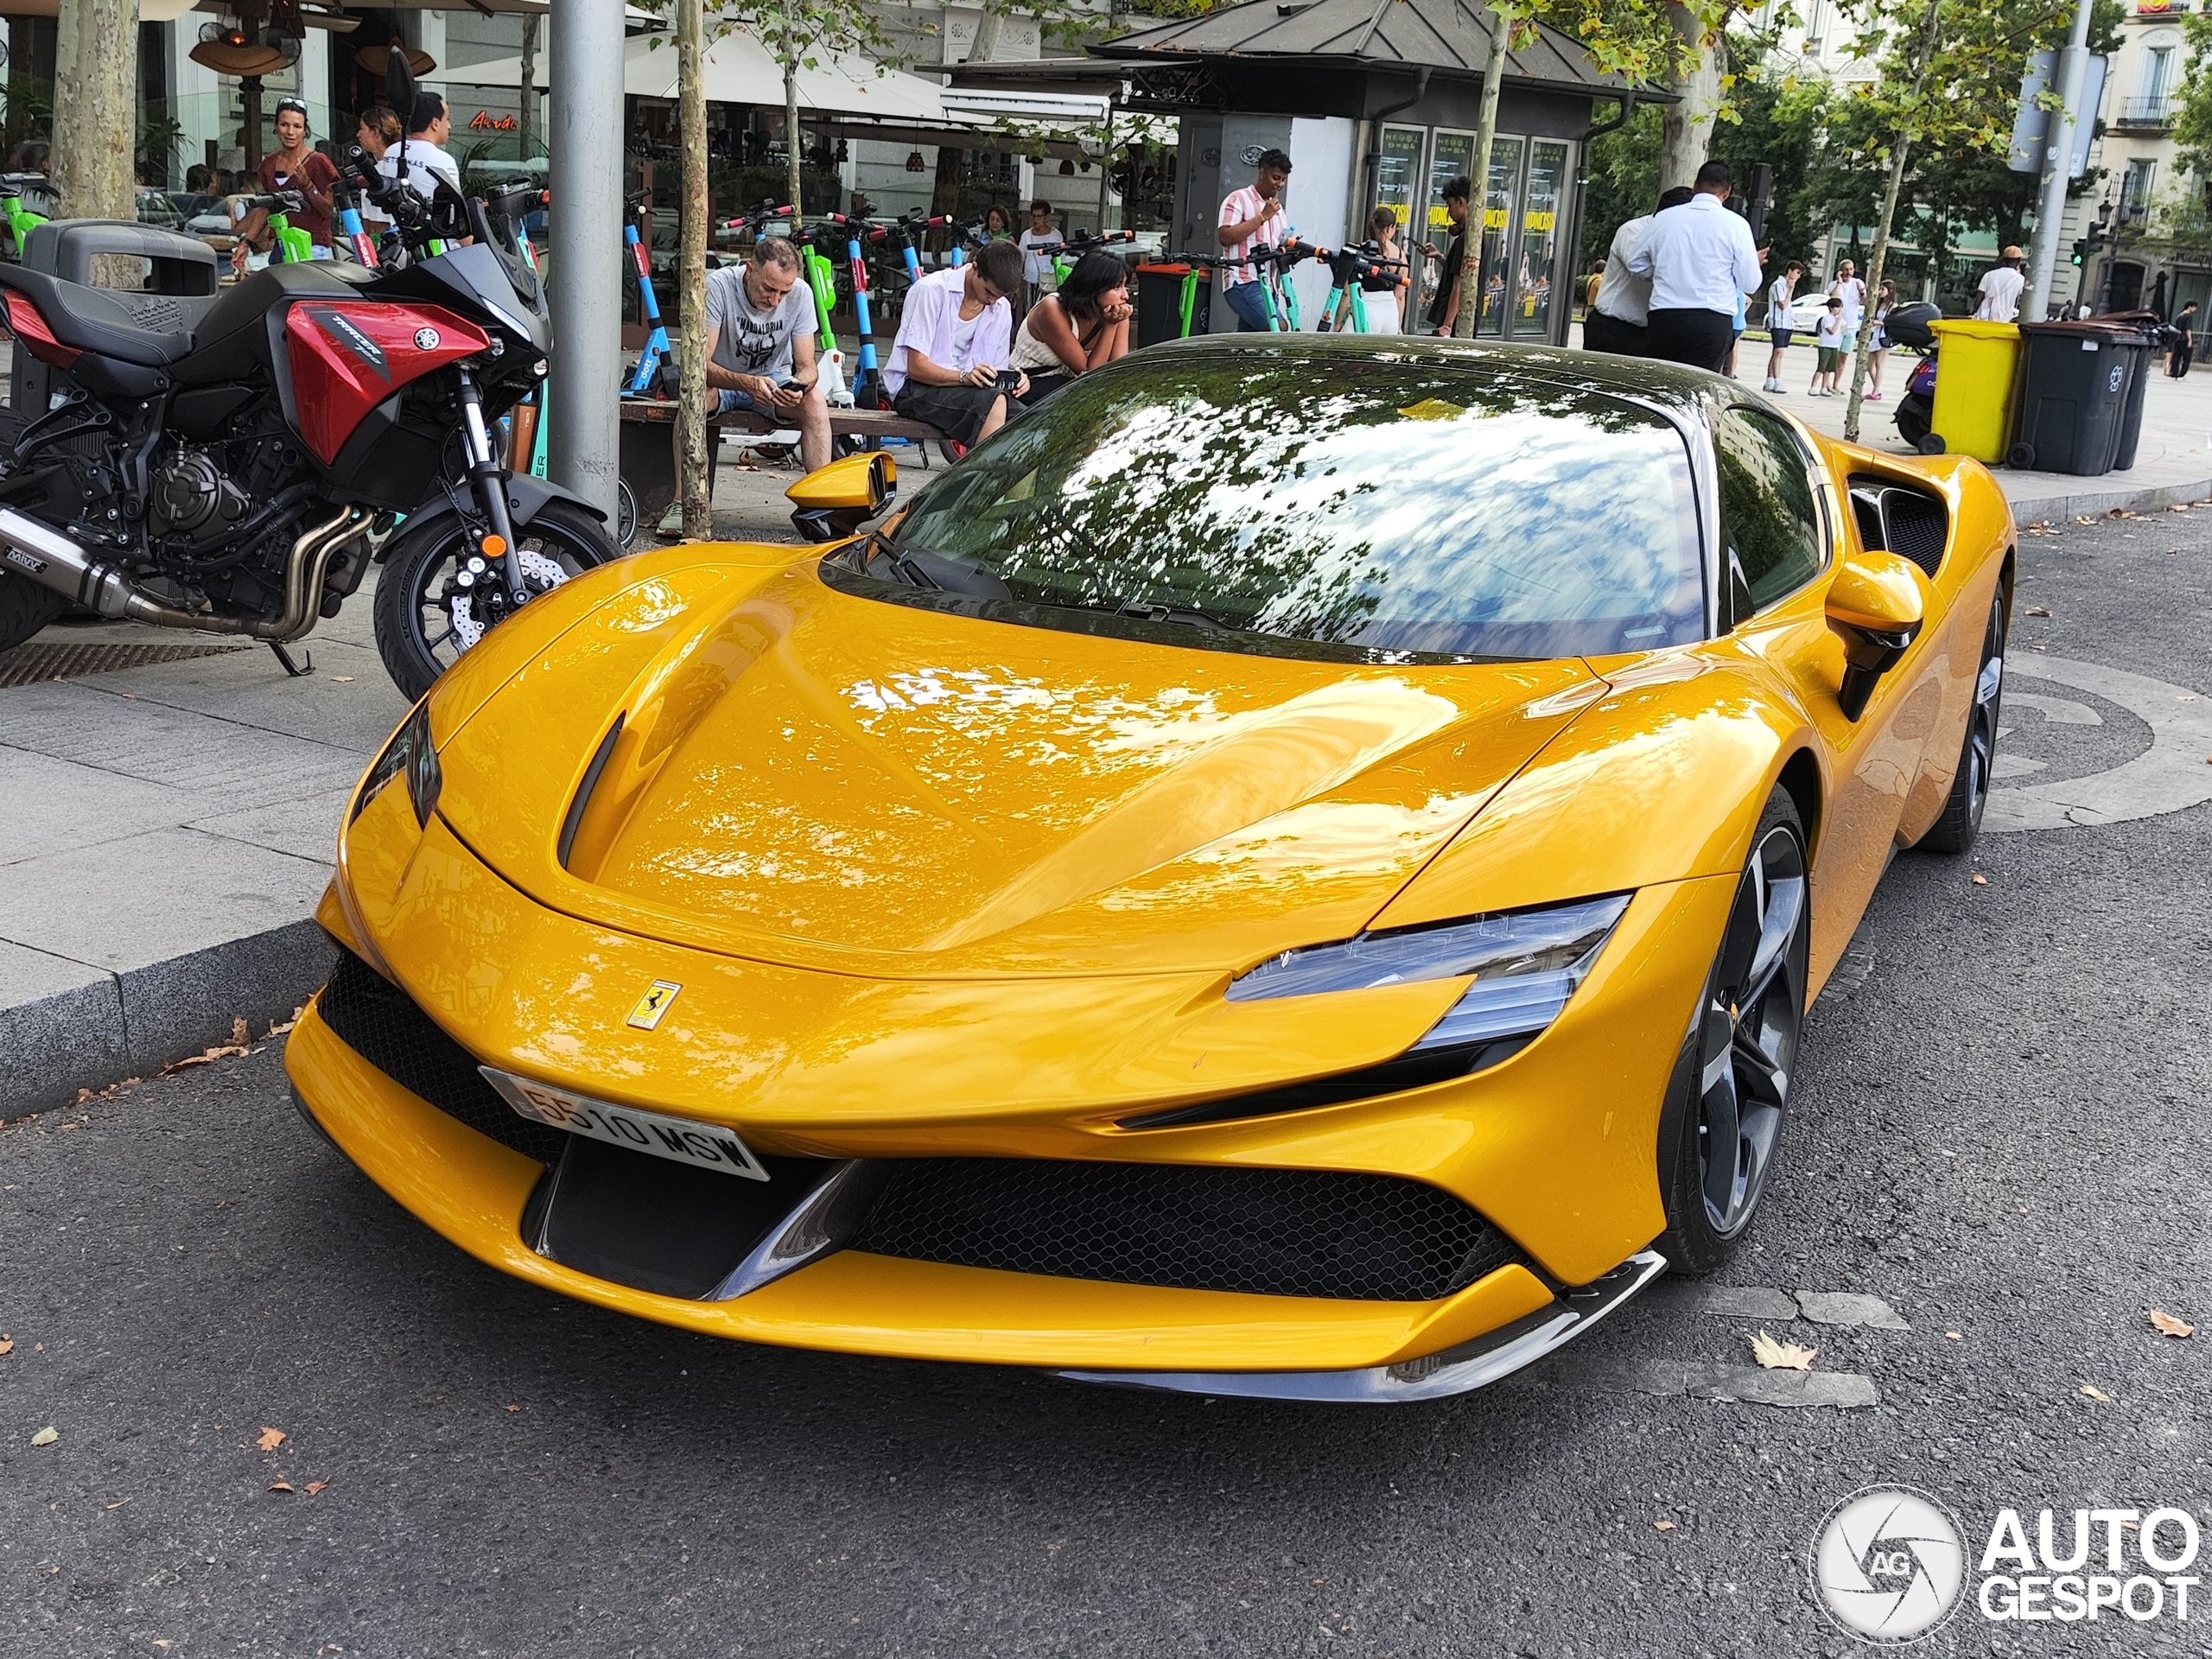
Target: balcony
(2144, 114)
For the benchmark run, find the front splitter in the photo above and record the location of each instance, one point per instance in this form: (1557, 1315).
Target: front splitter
(1462, 1369)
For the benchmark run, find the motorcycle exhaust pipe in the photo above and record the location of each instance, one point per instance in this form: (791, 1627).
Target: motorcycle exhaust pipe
(53, 560)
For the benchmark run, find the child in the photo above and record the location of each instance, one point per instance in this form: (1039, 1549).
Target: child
(1827, 341)
(1778, 299)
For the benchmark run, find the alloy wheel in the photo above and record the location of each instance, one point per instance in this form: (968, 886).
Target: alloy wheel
(1981, 724)
(1748, 1048)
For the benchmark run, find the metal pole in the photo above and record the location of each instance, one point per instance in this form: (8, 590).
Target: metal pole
(2073, 71)
(584, 129)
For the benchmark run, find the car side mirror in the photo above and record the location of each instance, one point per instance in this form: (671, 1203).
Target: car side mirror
(1876, 605)
(832, 502)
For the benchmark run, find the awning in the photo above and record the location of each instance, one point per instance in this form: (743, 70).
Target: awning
(740, 70)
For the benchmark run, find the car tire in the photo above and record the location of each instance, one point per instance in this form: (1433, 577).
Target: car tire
(1730, 1094)
(1956, 830)
(570, 538)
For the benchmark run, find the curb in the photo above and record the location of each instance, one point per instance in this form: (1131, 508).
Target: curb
(133, 1023)
(2093, 504)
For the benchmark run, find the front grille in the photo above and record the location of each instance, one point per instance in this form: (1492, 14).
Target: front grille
(1278, 1232)
(378, 1021)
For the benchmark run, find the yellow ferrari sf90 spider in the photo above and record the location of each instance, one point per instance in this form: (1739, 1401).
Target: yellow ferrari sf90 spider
(1295, 869)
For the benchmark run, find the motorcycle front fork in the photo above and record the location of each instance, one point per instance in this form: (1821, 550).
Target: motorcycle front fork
(489, 483)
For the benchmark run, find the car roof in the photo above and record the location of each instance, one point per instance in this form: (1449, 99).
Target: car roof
(1685, 392)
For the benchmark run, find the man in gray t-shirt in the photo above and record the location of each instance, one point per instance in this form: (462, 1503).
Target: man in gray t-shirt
(760, 345)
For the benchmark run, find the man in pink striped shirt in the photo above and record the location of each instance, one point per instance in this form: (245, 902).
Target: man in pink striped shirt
(1251, 217)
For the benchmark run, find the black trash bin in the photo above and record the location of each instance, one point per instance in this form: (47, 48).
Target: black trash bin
(2073, 395)
(1159, 303)
(2150, 332)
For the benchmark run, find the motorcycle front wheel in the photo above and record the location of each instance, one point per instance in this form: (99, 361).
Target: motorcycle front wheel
(436, 597)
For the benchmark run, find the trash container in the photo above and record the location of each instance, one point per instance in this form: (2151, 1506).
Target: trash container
(2151, 330)
(1159, 303)
(2072, 398)
(1976, 364)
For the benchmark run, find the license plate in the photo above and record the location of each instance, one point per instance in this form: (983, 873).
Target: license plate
(679, 1140)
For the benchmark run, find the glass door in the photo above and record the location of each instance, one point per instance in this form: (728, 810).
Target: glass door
(1498, 230)
(1538, 274)
(1453, 153)
(1397, 180)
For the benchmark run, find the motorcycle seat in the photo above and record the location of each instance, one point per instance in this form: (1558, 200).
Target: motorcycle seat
(97, 319)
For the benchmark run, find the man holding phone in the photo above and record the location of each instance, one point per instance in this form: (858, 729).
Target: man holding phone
(760, 345)
(949, 365)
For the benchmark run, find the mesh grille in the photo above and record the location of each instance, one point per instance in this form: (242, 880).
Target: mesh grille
(1280, 1232)
(30, 665)
(1908, 522)
(380, 1022)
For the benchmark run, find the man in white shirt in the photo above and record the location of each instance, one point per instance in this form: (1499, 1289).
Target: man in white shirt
(1615, 321)
(428, 164)
(1701, 260)
(1252, 218)
(1039, 244)
(1851, 290)
(1779, 297)
(2000, 290)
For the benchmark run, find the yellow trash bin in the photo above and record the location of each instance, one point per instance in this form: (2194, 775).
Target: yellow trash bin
(1975, 367)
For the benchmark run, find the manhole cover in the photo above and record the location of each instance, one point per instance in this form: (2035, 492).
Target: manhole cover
(31, 664)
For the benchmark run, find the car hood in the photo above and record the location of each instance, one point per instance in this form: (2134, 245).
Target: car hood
(828, 779)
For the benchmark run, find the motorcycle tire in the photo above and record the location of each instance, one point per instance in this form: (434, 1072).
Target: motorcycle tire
(25, 607)
(423, 623)
(1915, 418)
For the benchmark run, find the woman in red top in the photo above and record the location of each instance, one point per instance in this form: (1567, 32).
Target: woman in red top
(292, 166)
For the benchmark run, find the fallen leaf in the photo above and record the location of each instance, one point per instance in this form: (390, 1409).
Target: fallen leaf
(83, 1095)
(314, 1486)
(1664, 1526)
(2038, 610)
(2167, 1325)
(206, 1056)
(2177, 506)
(1954, 1336)
(7, 1344)
(1781, 1355)
(514, 1407)
(241, 1033)
(119, 1505)
(46, 1437)
(341, 679)
(279, 1487)
(270, 1439)
(1979, 880)
(2095, 1393)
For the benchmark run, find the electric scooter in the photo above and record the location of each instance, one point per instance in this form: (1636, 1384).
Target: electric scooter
(1349, 268)
(645, 379)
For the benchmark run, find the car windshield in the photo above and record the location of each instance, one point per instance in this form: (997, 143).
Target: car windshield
(1378, 504)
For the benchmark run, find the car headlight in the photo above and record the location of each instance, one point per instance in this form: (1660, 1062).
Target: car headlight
(1525, 965)
(410, 755)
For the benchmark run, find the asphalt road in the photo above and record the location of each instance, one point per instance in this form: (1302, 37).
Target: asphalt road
(2001, 1132)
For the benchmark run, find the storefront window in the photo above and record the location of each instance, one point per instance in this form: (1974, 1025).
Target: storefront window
(1399, 175)
(1539, 276)
(1504, 174)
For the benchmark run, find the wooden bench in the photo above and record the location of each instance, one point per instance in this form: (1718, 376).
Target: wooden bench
(647, 460)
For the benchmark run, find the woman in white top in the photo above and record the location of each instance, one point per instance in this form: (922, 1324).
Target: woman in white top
(1084, 327)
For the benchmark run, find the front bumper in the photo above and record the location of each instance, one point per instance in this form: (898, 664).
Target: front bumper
(475, 1192)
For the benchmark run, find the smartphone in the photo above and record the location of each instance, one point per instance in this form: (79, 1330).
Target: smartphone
(1010, 380)
(794, 385)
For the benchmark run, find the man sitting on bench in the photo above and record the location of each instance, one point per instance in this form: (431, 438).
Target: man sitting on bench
(955, 337)
(761, 346)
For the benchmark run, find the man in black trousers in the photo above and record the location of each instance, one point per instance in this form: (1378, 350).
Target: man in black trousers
(1701, 260)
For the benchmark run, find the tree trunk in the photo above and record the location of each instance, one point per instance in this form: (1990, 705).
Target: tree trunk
(526, 116)
(96, 108)
(794, 140)
(1472, 295)
(1686, 127)
(1901, 148)
(691, 272)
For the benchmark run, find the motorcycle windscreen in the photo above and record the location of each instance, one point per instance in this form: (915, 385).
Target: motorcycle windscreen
(348, 358)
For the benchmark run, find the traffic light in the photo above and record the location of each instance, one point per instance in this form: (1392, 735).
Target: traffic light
(2080, 250)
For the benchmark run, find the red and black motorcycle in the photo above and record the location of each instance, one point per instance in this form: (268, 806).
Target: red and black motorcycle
(240, 469)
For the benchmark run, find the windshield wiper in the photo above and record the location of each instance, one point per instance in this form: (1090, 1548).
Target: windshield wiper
(1189, 615)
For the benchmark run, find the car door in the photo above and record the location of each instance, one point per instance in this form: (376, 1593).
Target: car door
(1782, 530)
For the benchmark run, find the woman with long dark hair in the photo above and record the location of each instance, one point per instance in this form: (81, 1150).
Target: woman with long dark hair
(1084, 327)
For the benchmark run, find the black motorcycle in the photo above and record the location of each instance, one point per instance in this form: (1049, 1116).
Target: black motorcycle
(239, 470)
